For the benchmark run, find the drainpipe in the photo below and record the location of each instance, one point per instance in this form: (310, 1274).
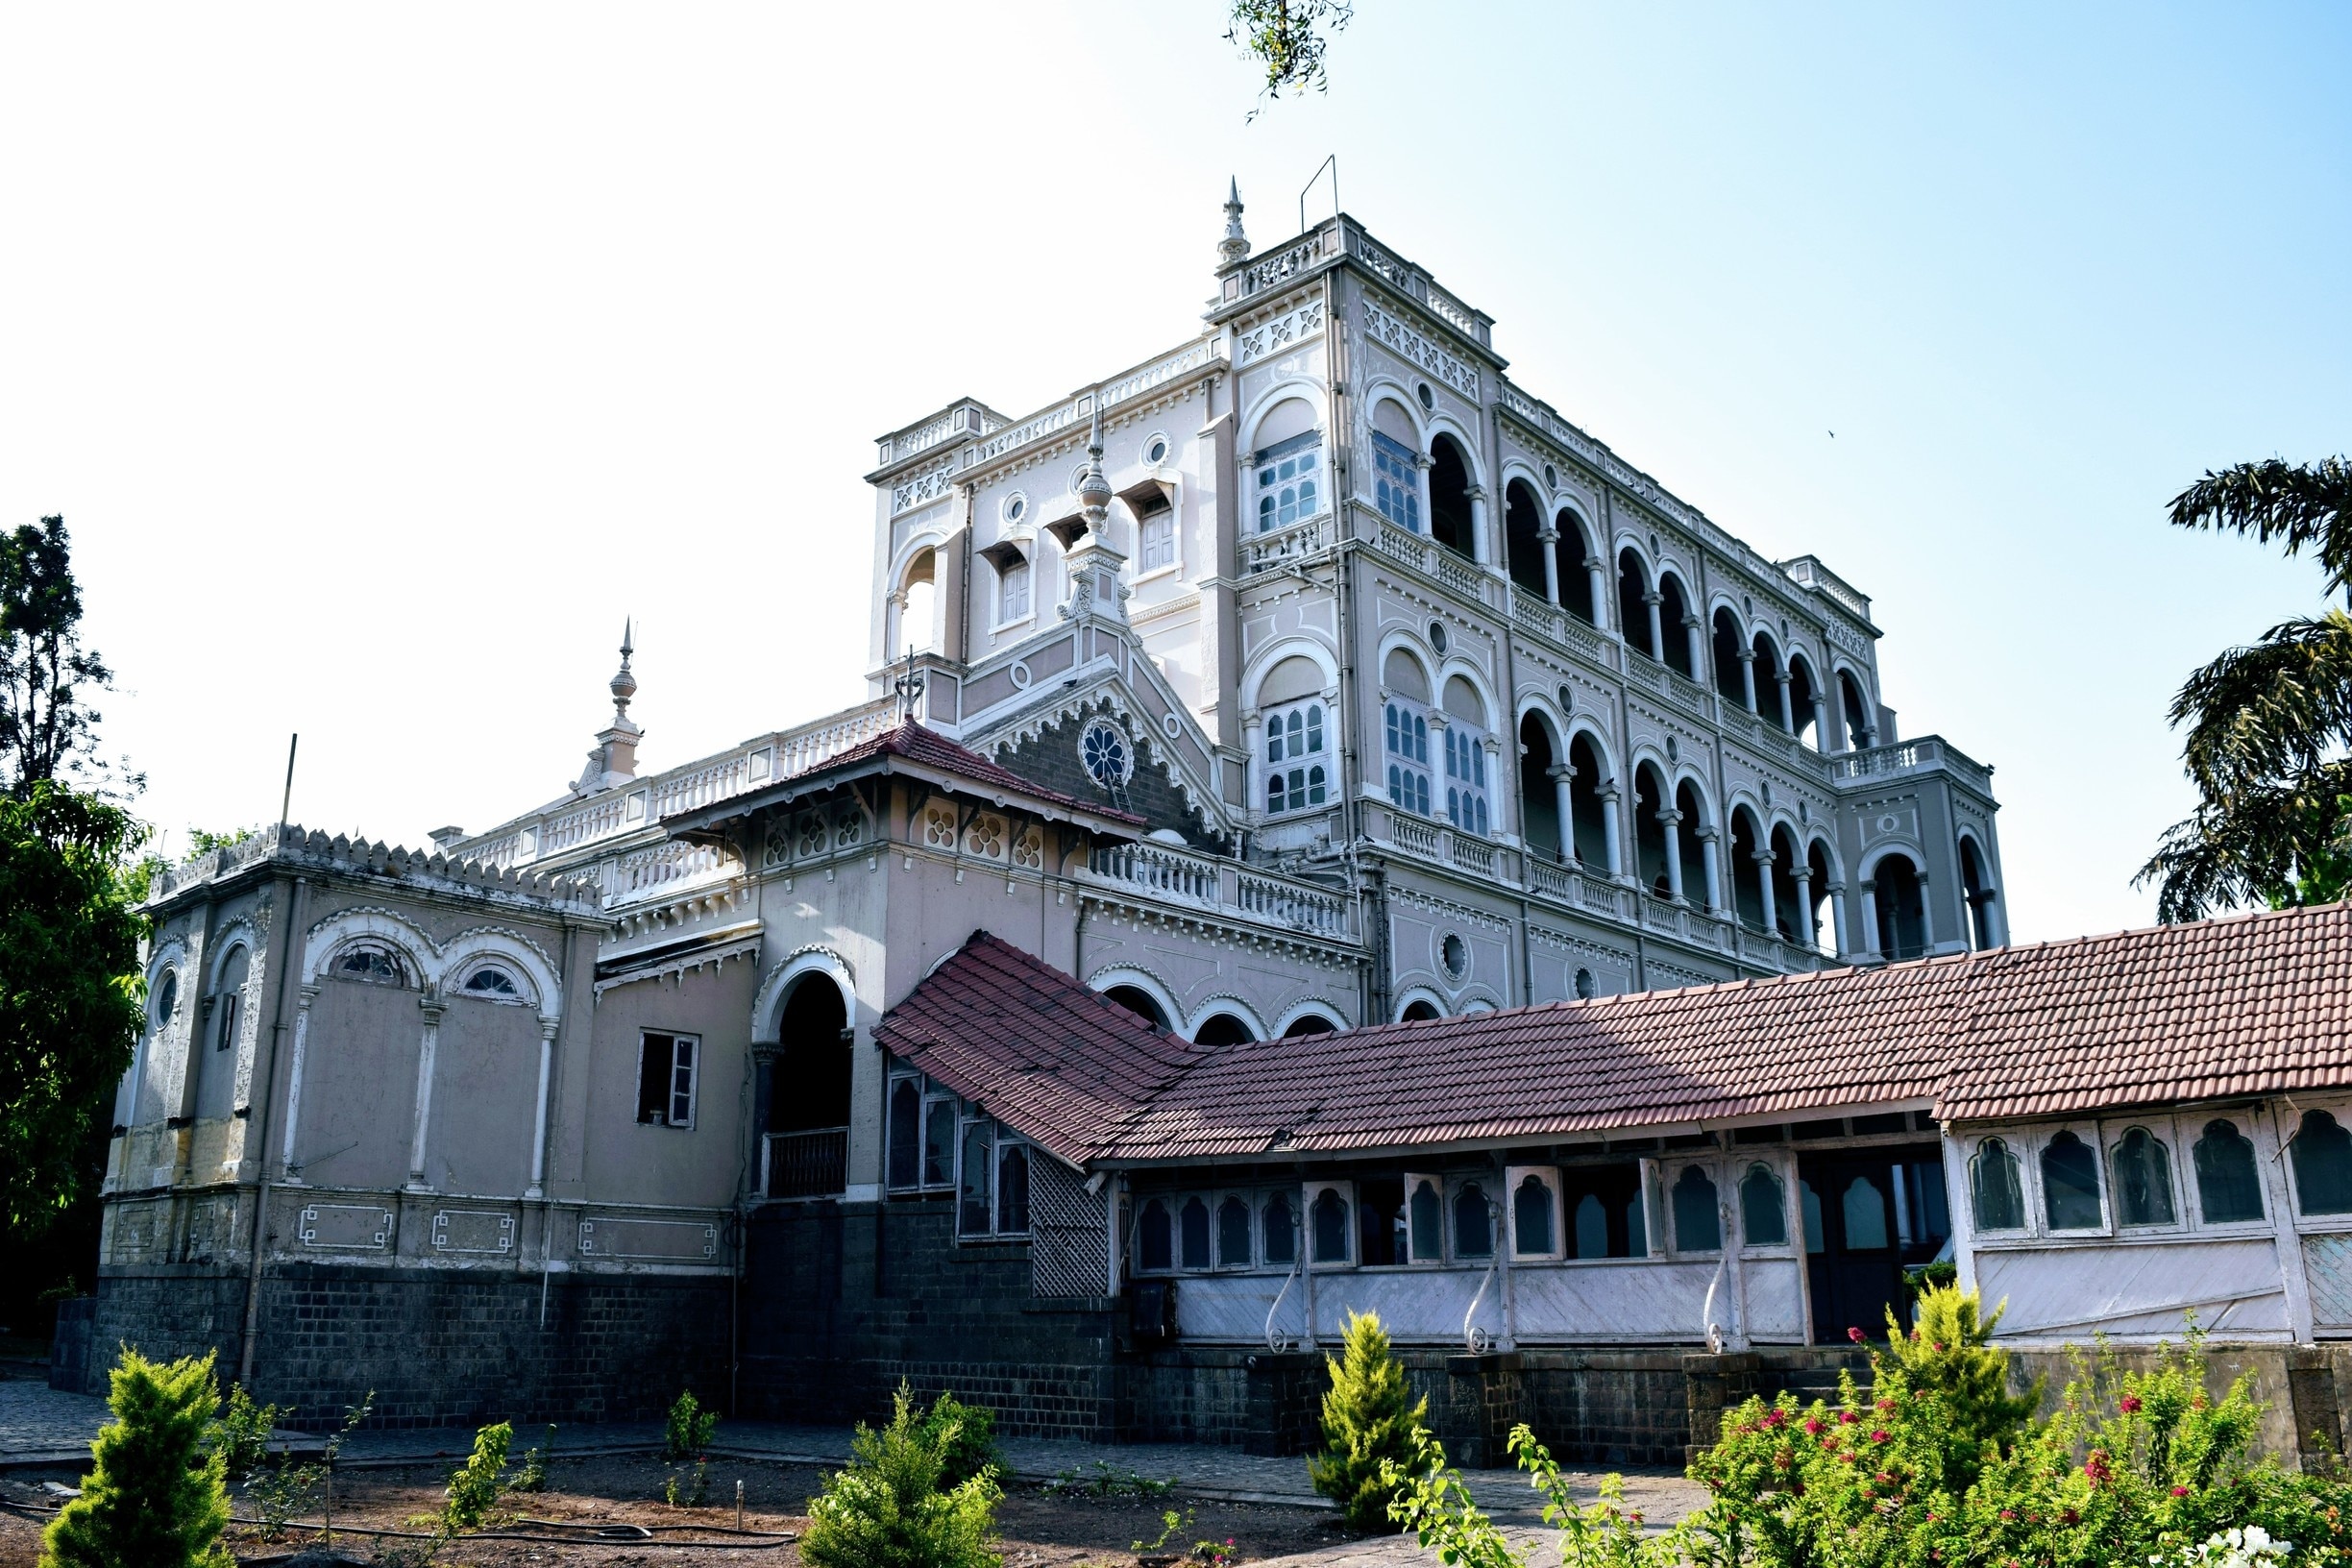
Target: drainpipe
(258, 1123)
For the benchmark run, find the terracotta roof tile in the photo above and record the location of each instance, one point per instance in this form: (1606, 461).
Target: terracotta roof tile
(915, 744)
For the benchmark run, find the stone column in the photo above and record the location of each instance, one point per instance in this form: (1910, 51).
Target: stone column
(1788, 714)
(1547, 537)
(1560, 775)
(287, 1169)
(1747, 658)
(539, 1123)
(1671, 820)
(1821, 723)
(1608, 828)
(1836, 895)
(1658, 630)
(433, 1007)
(1807, 924)
(1927, 933)
(1597, 569)
(1713, 868)
(1764, 863)
(1482, 547)
(1870, 915)
(1692, 628)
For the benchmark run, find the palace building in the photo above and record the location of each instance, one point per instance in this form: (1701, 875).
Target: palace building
(1327, 833)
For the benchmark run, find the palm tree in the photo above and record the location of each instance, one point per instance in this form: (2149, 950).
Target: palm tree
(2269, 724)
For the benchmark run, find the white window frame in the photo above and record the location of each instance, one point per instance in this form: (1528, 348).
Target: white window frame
(1310, 1192)
(2092, 1137)
(1671, 1170)
(2161, 1128)
(930, 1099)
(1792, 1209)
(2289, 1120)
(2023, 1149)
(693, 1069)
(1000, 620)
(1513, 1177)
(1268, 460)
(1495, 1228)
(1408, 483)
(2190, 1127)
(1316, 722)
(1414, 765)
(1413, 1181)
(1001, 1137)
(1467, 742)
(1157, 518)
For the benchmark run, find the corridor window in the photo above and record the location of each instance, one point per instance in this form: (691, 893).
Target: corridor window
(2071, 1185)
(1473, 1223)
(1465, 765)
(1278, 1229)
(1424, 1213)
(1534, 1212)
(1698, 1223)
(1288, 490)
(665, 1079)
(1192, 1233)
(1396, 482)
(1233, 1232)
(2229, 1187)
(2142, 1180)
(991, 1181)
(1328, 1213)
(1155, 1238)
(1763, 1208)
(922, 1123)
(1406, 734)
(1297, 777)
(2322, 1165)
(1997, 1196)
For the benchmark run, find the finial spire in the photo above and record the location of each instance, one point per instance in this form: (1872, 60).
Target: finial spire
(625, 684)
(1094, 487)
(1235, 246)
(613, 760)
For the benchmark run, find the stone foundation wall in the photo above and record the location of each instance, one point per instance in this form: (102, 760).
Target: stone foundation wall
(438, 1347)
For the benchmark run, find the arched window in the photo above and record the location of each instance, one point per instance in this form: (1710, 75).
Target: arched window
(1726, 644)
(1977, 894)
(1674, 616)
(1329, 1219)
(1539, 823)
(1308, 1024)
(492, 981)
(1531, 1228)
(1698, 1226)
(1591, 1232)
(1155, 1236)
(1424, 1217)
(2071, 1185)
(1817, 857)
(1763, 1208)
(1192, 1228)
(2143, 1179)
(1278, 1229)
(1902, 908)
(2229, 1187)
(919, 597)
(1452, 523)
(1863, 1208)
(1747, 873)
(1465, 758)
(1997, 1196)
(1650, 842)
(166, 1000)
(1860, 729)
(809, 1090)
(1420, 1010)
(1473, 1222)
(1396, 481)
(1289, 481)
(1521, 522)
(1633, 603)
(1232, 1234)
(1404, 732)
(2322, 1165)
(1768, 689)
(229, 1001)
(1222, 1029)
(1802, 690)
(371, 964)
(1695, 890)
(1589, 837)
(1792, 919)
(1297, 776)
(1139, 1001)
(1575, 550)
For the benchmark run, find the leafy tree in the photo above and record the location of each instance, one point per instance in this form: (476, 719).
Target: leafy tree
(1289, 38)
(69, 1003)
(1366, 1420)
(2268, 724)
(47, 728)
(964, 1435)
(889, 1508)
(155, 1499)
(686, 1431)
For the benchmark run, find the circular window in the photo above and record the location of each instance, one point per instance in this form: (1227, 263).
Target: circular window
(1156, 449)
(1674, 753)
(1748, 603)
(1803, 813)
(1768, 792)
(1077, 477)
(1429, 398)
(1105, 753)
(1550, 477)
(1438, 636)
(1567, 699)
(1454, 954)
(1653, 544)
(1016, 507)
(1587, 987)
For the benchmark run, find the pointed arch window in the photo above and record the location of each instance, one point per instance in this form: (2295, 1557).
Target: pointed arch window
(1763, 1208)
(1698, 1223)
(1232, 1234)
(2071, 1185)
(2229, 1187)
(2142, 1179)
(1997, 1196)
(2322, 1165)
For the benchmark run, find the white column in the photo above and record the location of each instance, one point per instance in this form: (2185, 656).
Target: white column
(294, 1083)
(1763, 859)
(1714, 869)
(1481, 547)
(1561, 776)
(539, 1125)
(2270, 1139)
(1960, 1205)
(1692, 626)
(1807, 924)
(1671, 820)
(1657, 630)
(1548, 538)
(1608, 828)
(1927, 935)
(1821, 723)
(1870, 915)
(431, 1007)
(1996, 920)
(1836, 895)
(1788, 714)
(1747, 658)
(1598, 570)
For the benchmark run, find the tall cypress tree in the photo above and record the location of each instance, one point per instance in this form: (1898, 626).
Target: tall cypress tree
(1366, 1420)
(157, 1498)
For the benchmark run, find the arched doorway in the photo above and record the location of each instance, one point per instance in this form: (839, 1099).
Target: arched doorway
(1451, 523)
(808, 1095)
(1538, 792)
(1902, 908)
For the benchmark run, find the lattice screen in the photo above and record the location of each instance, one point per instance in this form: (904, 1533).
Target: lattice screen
(1068, 1252)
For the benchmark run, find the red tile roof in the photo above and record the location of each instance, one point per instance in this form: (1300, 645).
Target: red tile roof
(2246, 1005)
(927, 747)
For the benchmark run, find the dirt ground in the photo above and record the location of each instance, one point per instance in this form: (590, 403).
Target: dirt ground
(1039, 1530)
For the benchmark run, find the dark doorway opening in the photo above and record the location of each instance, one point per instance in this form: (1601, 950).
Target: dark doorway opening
(1869, 1214)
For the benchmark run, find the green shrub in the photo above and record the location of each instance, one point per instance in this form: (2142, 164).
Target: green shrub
(532, 1477)
(687, 1431)
(476, 1486)
(155, 1496)
(1365, 1421)
(887, 1509)
(964, 1435)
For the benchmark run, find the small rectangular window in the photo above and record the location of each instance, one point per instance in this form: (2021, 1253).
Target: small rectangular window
(1289, 476)
(991, 1181)
(1297, 778)
(665, 1079)
(1159, 540)
(1396, 482)
(1012, 590)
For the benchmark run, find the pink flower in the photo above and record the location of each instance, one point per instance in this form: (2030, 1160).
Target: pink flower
(1813, 1426)
(2007, 1513)
(1855, 1335)
(2097, 1468)
(1846, 1418)
(2180, 1491)
(2130, 1404)
(1878, 1435)
(1775, 1418)
(1886, 1405)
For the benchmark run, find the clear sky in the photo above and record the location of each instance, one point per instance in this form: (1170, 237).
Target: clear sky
(382, 360)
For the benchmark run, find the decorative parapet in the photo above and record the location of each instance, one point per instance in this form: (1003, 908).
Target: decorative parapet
(562, 831)
(1341, 236)
(292, 847)
(1808, 570)
(1929, 754)
(959, 420)
(1225, 888)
